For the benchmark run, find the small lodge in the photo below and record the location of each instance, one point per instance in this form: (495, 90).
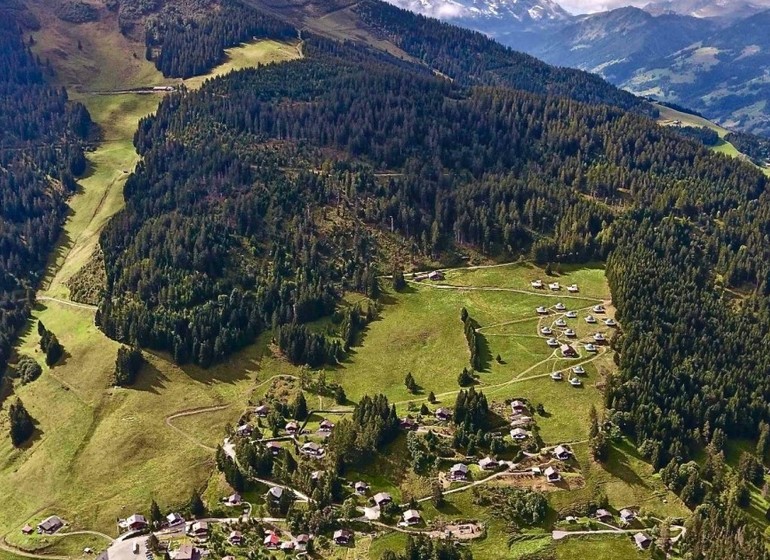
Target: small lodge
(571, 314)
(560, 307)
(578, 370)
(537, 284)
(627, 515)
(599, 337)
(342, 537)
(412, 517)
(573, 288)
(642, 541)
(575, 382)
(557, 376)
(244, 430)
(382, 498)
(271, 541)
(233, 499)
(287, 546)
(599, 309)
(174, 519)
(603, 515)
(443, 414)
(554, 286)
(546, 330)
(552, 342)
(326, 426)
(361, 487)
(560, 323)
(518, 407)
(235, 538)
(186, 552)
(409, 423)
(262, 410)
(590, 347)
(200, 529)
(562, 453)
(274, 493)
(27, 529)
(50, 525)
(519, 434)
(552, 475)
(610, 322)
(459, 471)
(435, 276)
(273, 447)
(292, 427)
(136, 522)
(541, 310)
(304, 538)
(570, 333)
(536, 471)
(521, 421)
(567, 351)
(590, 319)
(488, 464)
(313, 449)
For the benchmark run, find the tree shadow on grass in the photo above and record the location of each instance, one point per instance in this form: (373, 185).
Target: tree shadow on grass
(618, 466)
(150, 379)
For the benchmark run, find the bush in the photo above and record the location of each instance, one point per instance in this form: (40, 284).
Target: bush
(27, 370)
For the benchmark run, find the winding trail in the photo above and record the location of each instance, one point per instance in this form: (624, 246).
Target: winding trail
(69, 303)
(5, 547)
(193, 412)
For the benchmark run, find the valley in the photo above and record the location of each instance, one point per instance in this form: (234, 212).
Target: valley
(400, 313)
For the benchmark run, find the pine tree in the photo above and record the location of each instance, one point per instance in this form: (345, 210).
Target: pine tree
(155, 514)
(399, 283)
(411, 384)
(22, 425)
(196, 504)
(300, 407)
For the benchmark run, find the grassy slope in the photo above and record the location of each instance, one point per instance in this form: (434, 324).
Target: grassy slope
(100, 452)
(669, 115)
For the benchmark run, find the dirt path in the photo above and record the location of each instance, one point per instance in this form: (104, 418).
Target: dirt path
(193, 412)
(84, 532)
(68, 302)
(4, 546)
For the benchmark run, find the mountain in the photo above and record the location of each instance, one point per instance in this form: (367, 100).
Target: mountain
(708, 55)
(500, 15)
(725, 9)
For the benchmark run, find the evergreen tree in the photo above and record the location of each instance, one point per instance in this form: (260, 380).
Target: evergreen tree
(156, 516)
(300, 407)
(22, 425)
(196, 504)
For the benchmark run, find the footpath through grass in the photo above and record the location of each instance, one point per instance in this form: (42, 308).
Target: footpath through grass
(99, 452)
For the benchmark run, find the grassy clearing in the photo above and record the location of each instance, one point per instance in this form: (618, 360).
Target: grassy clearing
(82, 421)
(420, 331)
(249, 55)
(605, 547)
(668, 116)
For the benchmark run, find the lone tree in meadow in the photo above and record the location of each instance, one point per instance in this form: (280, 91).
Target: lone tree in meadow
(22, 425)
(411, 384)
(127, 365)
(50, 345)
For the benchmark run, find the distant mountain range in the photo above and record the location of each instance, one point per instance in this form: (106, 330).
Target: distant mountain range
(712, 56)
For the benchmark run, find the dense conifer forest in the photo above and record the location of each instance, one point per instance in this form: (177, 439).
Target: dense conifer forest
(191, 46)
(41, 136)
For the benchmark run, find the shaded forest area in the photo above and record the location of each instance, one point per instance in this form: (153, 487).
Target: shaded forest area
(41, 138)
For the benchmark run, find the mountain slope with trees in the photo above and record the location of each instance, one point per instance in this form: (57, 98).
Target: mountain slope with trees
(41, 153)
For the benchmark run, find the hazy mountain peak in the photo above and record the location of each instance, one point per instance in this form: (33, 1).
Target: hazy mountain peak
(525, 11)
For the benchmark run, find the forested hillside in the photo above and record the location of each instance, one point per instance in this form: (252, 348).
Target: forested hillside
(40, 154)
(473, 59)
(261, 198)
(182, 47)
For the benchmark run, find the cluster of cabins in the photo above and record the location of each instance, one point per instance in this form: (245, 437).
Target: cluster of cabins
(554, 286)
(293, 428)
(273, 541)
